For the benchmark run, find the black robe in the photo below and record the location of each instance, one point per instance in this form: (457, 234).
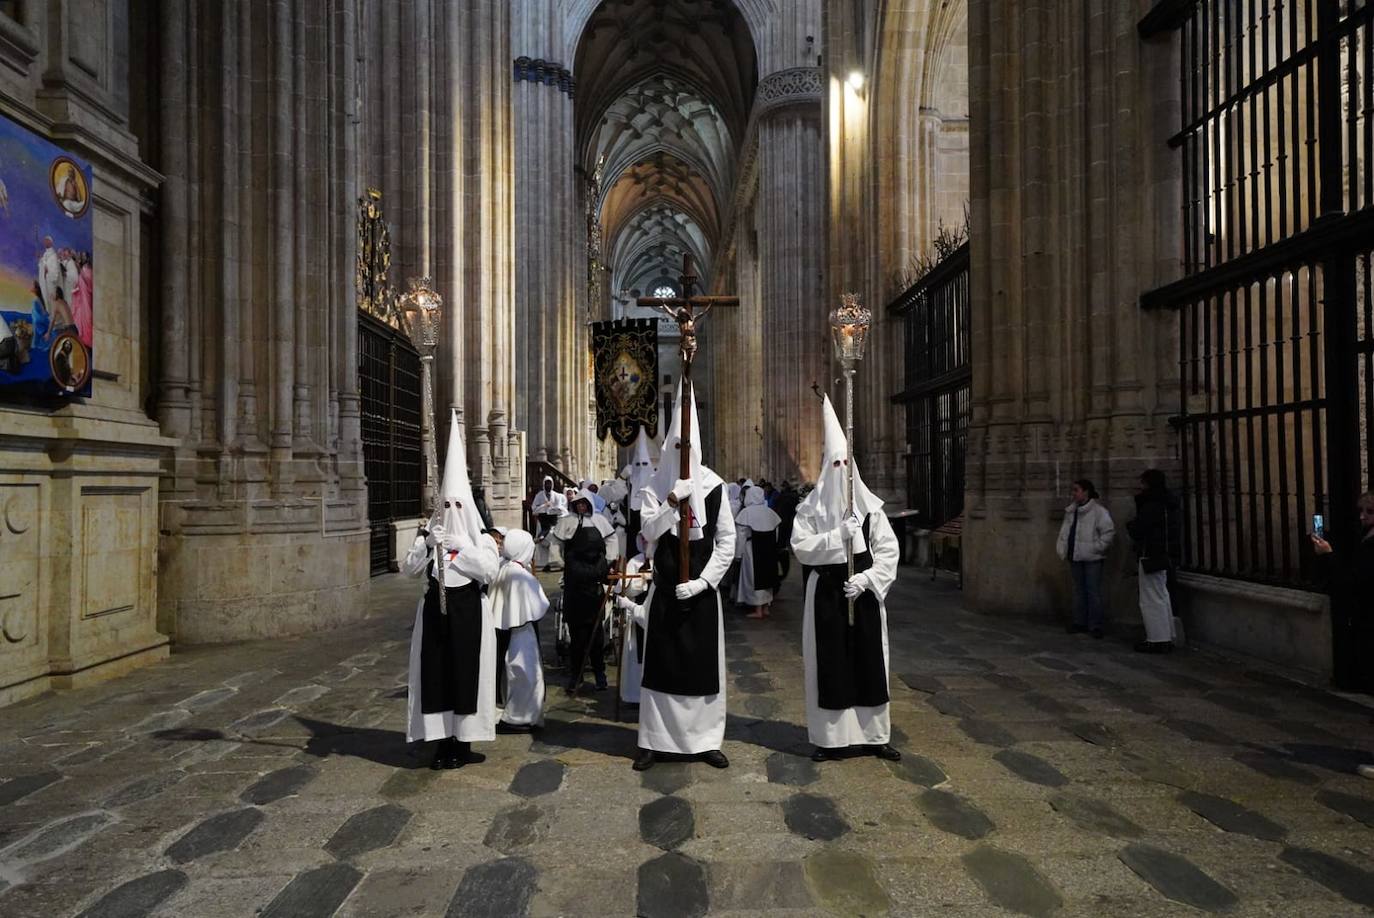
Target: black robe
(451, 649)
(764, 549)
(850, 669)
(684, 655)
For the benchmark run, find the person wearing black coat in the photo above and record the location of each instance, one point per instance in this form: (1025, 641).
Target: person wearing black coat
(1157, 532)
(1358, 580)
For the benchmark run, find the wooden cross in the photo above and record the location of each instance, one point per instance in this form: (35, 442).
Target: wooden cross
(681, 310)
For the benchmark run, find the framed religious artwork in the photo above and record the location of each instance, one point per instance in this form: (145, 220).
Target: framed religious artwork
(47, 274)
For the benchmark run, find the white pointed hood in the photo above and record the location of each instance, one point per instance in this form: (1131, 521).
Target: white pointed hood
(827, 501)
(458, 511)
(641, 469)
(669, 464)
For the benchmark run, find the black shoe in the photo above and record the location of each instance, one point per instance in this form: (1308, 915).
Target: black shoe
(1097, 634)
(715, 758)
(601, 685)
(1075, 628)
(572, 686)
(823, 755)
(886, 752)
(503, 727)
(644, 760)
(463, 755)
(445, 752)
(1155, 647)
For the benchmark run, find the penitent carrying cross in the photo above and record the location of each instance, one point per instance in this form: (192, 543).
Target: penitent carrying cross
(686, 310)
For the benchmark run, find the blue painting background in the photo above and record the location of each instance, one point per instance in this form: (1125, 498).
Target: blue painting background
(33, 213)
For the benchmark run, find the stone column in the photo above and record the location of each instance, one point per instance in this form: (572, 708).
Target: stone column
(795, 339)
(1070, 377)
(257, 543)
(547, 220)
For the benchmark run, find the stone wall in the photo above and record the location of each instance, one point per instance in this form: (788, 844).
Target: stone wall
(1075, 200)
(79, 483)
(263, 507)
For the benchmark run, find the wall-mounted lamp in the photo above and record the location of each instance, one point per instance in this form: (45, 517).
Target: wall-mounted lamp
(855, 80)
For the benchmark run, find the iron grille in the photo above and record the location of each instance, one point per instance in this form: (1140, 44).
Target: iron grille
(935, 314)
(389, 378)
(1275, 306)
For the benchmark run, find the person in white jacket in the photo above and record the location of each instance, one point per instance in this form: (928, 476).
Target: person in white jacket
(1084, 539)
(452, 682)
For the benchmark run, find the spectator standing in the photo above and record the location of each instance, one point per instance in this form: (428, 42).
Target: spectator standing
(1156, 531)
(1084, 539)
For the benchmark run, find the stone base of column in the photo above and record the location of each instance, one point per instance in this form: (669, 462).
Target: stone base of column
(239, 586)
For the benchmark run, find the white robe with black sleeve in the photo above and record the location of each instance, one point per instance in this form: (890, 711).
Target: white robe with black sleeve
(855, 725)
(476, 563)
(687, 724)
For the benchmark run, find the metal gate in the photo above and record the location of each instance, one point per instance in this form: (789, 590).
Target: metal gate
(1275, 310)
(389, 379)
(935, 321)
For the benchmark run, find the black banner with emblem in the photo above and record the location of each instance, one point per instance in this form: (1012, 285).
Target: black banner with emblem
(625, 353)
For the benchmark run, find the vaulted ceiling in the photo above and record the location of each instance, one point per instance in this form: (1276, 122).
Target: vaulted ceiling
(664, 89)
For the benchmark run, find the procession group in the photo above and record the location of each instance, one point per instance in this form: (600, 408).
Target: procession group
(475, 667)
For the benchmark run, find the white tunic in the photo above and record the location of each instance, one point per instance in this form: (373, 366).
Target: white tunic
(475, 563)
(686, 724)
(524, 679)
(755, 517)
(517, 602)
(631, 670)
(858, 725)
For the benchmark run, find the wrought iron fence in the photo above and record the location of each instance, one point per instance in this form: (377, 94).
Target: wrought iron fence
(1275, 309)
(935, 314)
(389, 379)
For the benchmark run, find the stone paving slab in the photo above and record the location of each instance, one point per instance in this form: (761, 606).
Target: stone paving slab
(1043, 775)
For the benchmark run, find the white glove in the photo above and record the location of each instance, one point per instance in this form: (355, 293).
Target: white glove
(690, 588)
(852, 528)
(436, 535)
(623, 604)
(456, 541)
(854, 586)
(682, 489)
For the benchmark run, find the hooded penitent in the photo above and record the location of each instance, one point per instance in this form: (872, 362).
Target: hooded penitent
(756, 513)
(458, 512)
(516, 596)
(641, 469)
(669, 466)
(828, 501)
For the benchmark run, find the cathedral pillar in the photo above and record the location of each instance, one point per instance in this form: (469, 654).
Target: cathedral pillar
(263, 514)
(548, 222)
(791, 204)
(1071, 379)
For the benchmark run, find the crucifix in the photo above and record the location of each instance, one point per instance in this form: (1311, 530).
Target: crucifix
(686, 310)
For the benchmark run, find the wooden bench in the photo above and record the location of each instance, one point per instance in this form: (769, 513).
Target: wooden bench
(943, 540)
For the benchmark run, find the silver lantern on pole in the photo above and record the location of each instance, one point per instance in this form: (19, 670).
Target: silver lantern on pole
(423, 310)
(849, 325)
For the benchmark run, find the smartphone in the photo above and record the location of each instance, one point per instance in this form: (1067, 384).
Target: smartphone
(1319, 525)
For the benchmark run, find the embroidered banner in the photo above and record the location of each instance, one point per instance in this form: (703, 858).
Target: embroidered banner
(47, 284)
(625, 353)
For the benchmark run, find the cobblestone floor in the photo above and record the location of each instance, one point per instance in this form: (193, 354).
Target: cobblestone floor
(1043, 774)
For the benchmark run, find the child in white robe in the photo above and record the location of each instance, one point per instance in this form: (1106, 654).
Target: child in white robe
(517, 602)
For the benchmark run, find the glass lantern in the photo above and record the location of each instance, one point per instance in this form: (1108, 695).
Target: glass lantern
(849, 324)
(423, 309)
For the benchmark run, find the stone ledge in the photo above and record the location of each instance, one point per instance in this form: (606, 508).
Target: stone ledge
(1282, 597)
